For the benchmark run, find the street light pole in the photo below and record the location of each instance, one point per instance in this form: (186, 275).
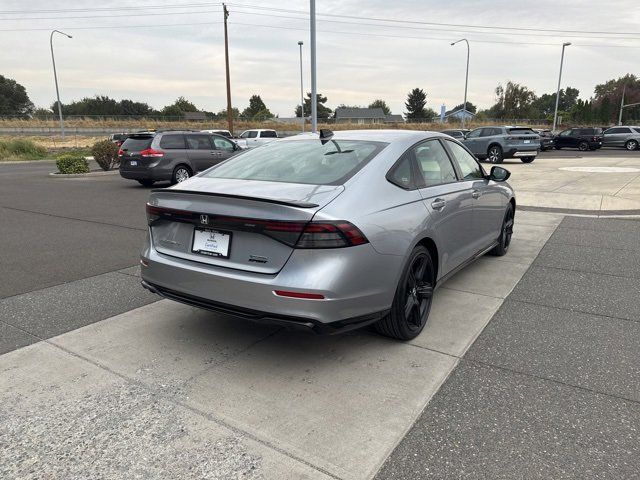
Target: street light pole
(466, 80)
(624, 89)
(555, 113)
(300, 43)
(225, 13)
(55, 77)
(314, 89)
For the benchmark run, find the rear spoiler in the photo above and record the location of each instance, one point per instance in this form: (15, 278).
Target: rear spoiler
(288, 203)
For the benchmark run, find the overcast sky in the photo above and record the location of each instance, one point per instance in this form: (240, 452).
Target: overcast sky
(144, 60)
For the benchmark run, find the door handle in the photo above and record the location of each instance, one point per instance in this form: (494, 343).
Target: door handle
(215, 153)
(438, 204)
(476, 194)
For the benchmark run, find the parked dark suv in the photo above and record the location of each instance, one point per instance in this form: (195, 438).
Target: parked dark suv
(581, 138)
(150, 157)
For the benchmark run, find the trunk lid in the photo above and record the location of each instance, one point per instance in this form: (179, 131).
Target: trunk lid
(240, 210)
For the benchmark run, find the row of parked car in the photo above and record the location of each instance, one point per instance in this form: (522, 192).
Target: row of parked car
(247, 139)
(497, 143)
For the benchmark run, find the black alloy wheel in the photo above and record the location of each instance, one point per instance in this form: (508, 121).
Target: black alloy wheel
(412, 302)
(506, 232)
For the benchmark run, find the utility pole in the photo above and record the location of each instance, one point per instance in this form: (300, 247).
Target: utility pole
(55, 77)
(300, 43)
(314, 88)
(624, 89)
(226, 61)
(466, 80)
(555, 113)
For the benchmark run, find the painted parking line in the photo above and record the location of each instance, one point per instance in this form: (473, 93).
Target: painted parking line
(328, 407)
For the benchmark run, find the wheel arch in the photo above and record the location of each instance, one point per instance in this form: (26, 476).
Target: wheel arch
(494, 144)
(431, 246)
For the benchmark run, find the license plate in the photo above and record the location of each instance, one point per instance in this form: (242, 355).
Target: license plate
(527, 141)
(134, 163)
(211, 242)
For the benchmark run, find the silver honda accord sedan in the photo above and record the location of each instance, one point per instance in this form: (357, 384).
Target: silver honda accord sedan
(329, 231)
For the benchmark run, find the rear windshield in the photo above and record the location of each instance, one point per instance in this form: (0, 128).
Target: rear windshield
(522, 131)
(300, 161)
(136, 144)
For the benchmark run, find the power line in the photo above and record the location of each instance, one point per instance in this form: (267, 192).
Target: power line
(144, 14)
(321, 31)
(110, 9)
(436, 23)
(261, 8)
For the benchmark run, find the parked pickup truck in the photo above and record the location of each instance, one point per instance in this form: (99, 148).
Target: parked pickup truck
(256, 137)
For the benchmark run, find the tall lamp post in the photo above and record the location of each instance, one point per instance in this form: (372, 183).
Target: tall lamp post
(466, 80)
(300, 43)
(55, 77)
(314, 88)
(555, 113)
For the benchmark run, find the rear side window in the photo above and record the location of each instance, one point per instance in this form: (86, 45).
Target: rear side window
(300, 161)
(198, 142)
(618, 130)
(137, 144)
(401, 174)
(172, 142)
(434, 164)
(269, 134)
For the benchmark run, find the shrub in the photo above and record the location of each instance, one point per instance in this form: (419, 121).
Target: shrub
(72, 164)
(21, 149)
(105, 153)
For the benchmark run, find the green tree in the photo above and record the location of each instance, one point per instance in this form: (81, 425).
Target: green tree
(606, 101)
(544, 106)
(178, 108)
(13, 98)
(324, 112)
(378, 103)
(416, 106)
(513, 101)
(222, 114)
(256, 110)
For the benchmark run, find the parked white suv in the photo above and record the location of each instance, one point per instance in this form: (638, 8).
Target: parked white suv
(256, 137)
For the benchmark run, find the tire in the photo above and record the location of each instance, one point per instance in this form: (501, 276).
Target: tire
(180, 174)
(631, 145)
(506, 232)
(583, 146)
(494, 154)
(146, 183)
(413, 298)
(527, 159)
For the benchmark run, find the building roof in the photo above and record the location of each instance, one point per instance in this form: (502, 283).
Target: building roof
(460, 111)
(354, 112)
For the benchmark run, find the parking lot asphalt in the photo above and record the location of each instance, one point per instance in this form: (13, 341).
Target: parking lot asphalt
(112, 383)
(551, 388)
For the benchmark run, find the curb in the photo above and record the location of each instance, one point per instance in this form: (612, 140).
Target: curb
(83, 175)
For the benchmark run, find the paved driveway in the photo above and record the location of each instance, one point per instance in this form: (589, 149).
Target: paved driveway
(111, 382)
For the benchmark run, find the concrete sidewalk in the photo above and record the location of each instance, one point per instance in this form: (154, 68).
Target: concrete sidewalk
(551, 388)
(591, 184)
(170, 391)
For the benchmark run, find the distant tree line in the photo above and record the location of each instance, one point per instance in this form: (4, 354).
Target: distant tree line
(512, 101)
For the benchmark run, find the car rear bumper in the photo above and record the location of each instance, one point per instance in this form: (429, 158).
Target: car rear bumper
(519, 152)
(154, 172)
(304, 323)
(356, 283)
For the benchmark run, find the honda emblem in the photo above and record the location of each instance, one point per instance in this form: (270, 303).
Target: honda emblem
(204, 219)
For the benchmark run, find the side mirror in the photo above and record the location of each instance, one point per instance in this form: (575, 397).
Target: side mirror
(499, 174)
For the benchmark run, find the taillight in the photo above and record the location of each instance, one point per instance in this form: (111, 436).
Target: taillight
(150, 152)
(154, 213)
(330, 235)
(120, 153)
